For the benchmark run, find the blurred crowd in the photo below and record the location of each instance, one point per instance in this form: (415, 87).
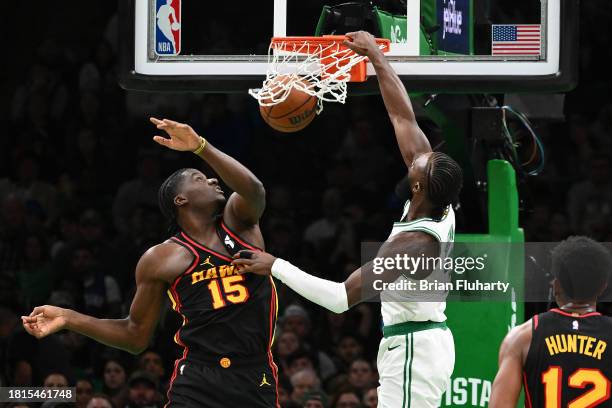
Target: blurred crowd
(79, 175)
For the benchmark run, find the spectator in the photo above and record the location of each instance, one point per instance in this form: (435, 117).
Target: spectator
(285, 389)
(316, 399)
(302, 382)
(100, 291)
(84, 392)
(346, 399)
(143, 391)
(299, 360)
(296, 320)
(361, 375)
(115, 382)
(69, 234)
(370, 398)
(286, 343)
(55, 380)
(33, 191)
(100, 401)
(151, 362)
(350, 347)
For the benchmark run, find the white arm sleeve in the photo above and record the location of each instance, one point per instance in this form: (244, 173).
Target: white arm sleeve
(330, 295)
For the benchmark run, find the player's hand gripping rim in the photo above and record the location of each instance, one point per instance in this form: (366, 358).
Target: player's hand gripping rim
(259, 263)
(363, 43)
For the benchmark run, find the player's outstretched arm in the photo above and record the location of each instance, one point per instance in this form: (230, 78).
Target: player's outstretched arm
(508, 381)
(247, 203)
(131, 334)
(334, 296)
(410, 138)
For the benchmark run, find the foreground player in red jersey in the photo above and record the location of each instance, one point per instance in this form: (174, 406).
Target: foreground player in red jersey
(228, 318)
(562, 357)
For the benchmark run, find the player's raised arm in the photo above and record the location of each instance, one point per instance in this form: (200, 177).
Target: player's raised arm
(133, 333)
(410, 138)
(247, 203)
(508, 381)
(334, 296)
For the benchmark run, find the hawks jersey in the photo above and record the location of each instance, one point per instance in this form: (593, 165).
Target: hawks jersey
(569, 363)
(443, 231)
(225, 315)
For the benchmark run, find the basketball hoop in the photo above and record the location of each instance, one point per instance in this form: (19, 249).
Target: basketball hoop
(318, 66)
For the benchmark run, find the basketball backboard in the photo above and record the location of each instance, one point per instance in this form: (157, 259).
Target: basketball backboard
(437, 45)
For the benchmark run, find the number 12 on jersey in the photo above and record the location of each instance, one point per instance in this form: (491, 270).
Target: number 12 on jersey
(228, 289)
(595, 380)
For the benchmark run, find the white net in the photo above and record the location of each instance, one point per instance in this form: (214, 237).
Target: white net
(318, 69)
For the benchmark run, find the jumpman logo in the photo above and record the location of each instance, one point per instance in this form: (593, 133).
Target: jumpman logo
(264, 381)
(207, 262)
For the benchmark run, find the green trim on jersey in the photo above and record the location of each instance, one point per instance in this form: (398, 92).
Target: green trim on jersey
(406, 400)
(411, 327)
(410, 369)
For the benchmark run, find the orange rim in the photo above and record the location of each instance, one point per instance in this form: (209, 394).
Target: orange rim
(323, 40)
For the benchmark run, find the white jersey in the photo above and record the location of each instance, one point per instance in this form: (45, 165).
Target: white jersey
(394, 312)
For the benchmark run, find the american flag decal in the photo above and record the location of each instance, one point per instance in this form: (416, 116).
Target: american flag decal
(516, 39)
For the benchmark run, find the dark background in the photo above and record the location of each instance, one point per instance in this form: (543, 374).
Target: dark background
(79, 175)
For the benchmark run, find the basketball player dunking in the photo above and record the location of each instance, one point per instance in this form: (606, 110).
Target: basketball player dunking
(228, 318)
(562, 357)
(416, 356)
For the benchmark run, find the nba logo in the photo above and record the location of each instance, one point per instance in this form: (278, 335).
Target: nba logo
(168, 27)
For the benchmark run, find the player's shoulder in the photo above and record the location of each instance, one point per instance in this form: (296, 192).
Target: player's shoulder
(410, 243)
(165, 260)
(520, 332)
(411, 239)
(518, 340)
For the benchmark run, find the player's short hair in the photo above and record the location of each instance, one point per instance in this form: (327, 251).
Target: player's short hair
(444, 181)
(165, 197)
(582, 267)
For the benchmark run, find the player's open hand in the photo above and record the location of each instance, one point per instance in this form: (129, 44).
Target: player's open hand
(259, 262)
(362, 42)
(182, 137)
(44, 320)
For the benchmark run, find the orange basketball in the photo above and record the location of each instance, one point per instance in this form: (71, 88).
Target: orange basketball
(293, 114)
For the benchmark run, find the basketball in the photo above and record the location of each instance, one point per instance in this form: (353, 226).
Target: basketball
(176, 26)
(293, 114)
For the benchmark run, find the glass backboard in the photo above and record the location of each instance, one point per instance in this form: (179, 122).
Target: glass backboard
(436, 45)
